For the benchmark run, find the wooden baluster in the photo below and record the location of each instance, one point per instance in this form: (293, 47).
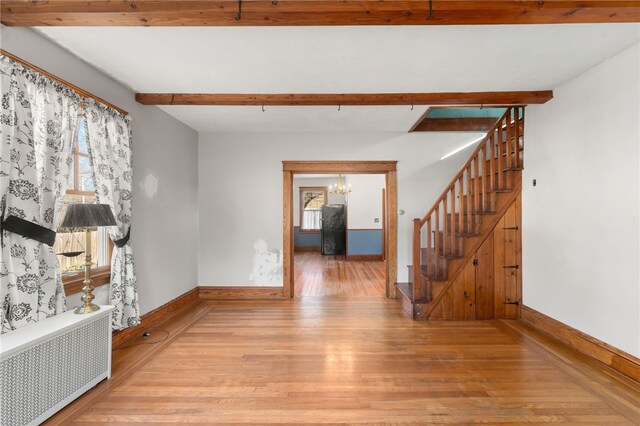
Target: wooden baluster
(436, 241)
(453, 219)
(476, 187)
(417, 279)
(483, 177)
(483, 186)
(492, 167)
(516, 136)
(445, 240)
(461, 204)
(500, 162)
(470, 229)
(430, 256)
(522, 135)
(508, 147)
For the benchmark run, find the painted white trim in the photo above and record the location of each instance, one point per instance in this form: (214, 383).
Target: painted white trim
(28, 336)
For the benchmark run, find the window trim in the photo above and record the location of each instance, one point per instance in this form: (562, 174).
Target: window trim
(304, 189)
(73, 283)
(100, 275)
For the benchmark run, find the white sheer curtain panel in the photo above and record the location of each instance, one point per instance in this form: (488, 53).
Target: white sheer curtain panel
(311, 219)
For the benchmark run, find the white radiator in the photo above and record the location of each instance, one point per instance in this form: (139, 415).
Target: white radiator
(46, 365)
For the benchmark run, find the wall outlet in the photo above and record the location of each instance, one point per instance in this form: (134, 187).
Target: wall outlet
(376, 220)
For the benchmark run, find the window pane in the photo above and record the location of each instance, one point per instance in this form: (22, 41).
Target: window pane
(70, 242)
(312, 202)
(83, 146)
(85, 176)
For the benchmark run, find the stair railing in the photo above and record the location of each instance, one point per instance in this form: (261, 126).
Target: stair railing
(470, 193)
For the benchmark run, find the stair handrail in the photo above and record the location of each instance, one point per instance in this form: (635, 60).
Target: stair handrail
(445, 193)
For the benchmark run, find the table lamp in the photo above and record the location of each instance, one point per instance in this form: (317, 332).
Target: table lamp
(87, 217)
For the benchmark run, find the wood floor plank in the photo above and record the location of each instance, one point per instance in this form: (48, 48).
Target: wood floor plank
(316, 275)
(360, 360)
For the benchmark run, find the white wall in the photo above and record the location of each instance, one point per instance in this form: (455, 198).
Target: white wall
(365, 201)
(320, 182)
(164, 228)
(238, 247)
(581, 233)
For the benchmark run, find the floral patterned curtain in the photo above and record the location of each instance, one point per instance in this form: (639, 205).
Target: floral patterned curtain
(37, 118)
(110, 152)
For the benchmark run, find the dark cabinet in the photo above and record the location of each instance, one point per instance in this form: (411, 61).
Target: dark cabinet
(334, 231)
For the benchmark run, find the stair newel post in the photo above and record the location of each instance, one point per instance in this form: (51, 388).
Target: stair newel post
(509, 135)
(516, 136)
(500, 162)
(430, 256)
(461, 204)
(468, 197)
(417, 268)
(436, 240)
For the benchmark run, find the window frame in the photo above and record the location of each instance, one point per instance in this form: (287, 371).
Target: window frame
(100, 275)
(304, 189)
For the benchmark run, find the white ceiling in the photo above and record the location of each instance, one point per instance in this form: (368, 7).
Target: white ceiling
(338, 60)
(296, 119)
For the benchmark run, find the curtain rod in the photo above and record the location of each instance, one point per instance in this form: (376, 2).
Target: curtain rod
(61, 81)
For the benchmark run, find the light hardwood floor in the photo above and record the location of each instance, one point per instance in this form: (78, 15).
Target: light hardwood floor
(354, 360)
(318, 276)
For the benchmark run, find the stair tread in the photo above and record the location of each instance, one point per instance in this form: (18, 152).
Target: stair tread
(424, 274)
(407, 290)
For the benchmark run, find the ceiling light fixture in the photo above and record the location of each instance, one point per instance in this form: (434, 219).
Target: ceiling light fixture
(340, 188)
(455, 151)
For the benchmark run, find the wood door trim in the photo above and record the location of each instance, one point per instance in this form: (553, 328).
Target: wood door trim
(384, 223)
(388, 168)
(343, 167)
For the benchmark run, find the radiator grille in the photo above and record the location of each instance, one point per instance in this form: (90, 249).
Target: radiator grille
(40, 377)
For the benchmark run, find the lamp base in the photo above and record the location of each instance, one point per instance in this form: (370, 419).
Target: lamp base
(86, 309)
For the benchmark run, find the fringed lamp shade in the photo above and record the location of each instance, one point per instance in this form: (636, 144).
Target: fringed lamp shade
(88, 215)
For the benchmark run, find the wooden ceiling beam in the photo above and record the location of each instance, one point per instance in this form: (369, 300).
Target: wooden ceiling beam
(313, 12)
(316, 99)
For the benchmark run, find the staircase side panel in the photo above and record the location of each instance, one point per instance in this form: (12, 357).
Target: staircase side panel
(485, 280)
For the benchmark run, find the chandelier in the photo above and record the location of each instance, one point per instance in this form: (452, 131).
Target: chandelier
(340, 188)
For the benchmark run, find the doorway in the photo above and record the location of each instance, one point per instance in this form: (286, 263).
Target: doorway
(291, 169)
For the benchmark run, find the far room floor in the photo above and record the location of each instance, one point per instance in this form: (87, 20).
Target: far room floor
(319, 275)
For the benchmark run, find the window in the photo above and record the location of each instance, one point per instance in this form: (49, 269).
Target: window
(311, 201)
(81, 189)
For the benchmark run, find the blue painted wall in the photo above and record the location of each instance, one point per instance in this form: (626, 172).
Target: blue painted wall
(304, 239)
(465, 112)
(364, 241)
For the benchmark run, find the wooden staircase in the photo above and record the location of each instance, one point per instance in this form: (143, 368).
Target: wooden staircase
(449, 239)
